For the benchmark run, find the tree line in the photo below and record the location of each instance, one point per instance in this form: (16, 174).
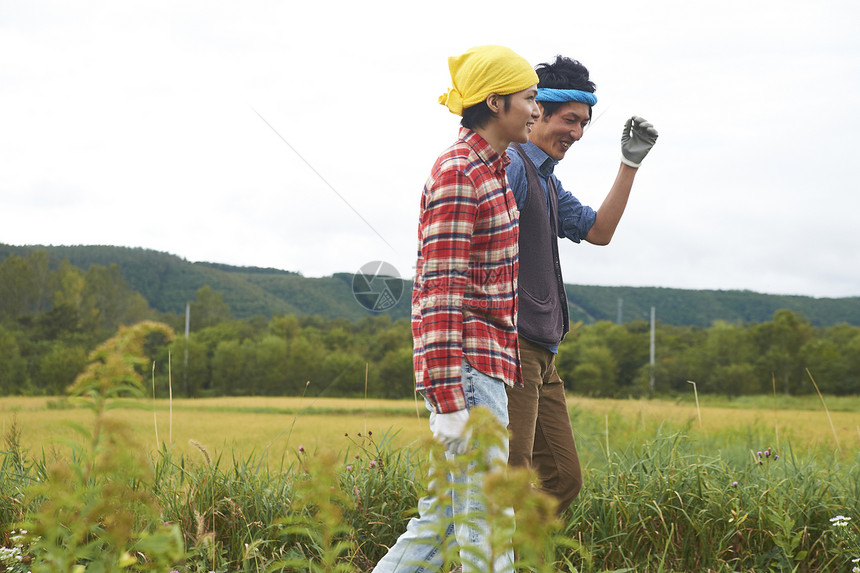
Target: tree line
(52, 318)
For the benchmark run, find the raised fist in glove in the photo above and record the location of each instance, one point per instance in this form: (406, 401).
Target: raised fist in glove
(637, 140)
(450, 429)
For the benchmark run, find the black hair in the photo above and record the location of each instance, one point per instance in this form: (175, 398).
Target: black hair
(563, 74)
(479, 114)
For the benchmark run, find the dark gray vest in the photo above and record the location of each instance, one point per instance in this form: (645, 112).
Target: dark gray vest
(543, 316)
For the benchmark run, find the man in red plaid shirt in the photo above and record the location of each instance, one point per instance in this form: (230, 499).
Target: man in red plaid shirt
(464, 299)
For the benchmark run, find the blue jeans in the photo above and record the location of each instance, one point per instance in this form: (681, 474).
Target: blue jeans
(420, 548)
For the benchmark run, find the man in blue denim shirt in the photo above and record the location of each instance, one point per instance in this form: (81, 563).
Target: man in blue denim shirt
(539, 423)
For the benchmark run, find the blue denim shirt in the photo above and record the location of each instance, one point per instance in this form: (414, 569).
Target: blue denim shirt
(574, 219)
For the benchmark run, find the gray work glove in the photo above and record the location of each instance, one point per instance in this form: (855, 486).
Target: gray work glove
(636, 140)
(450, 429)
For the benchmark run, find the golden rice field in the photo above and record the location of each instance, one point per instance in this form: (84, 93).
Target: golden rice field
(277, 426)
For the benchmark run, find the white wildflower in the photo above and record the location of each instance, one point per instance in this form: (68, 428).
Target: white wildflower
(840, 521)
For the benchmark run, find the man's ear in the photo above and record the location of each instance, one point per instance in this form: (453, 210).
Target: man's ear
(494, 102)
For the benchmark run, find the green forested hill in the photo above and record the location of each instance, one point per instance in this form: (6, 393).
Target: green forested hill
(703, 307)
(168, 282)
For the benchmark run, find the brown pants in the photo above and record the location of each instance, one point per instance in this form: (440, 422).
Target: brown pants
(539, 424)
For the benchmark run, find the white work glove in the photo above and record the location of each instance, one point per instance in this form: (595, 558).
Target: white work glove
(450, 429)
(637, 140)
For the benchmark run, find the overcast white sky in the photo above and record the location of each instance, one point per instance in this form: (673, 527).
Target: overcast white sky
(139, 124)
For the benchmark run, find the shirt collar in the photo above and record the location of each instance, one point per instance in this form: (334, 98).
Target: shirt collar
(484, 150)
(544, 163)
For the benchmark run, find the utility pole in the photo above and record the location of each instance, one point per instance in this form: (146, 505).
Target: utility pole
(651, 381)
(620, 303)
(187, 331)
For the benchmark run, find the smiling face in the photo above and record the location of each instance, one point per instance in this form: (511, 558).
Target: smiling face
(517, 119)
(556, 133)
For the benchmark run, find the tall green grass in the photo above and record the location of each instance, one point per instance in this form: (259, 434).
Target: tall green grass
(661, 499)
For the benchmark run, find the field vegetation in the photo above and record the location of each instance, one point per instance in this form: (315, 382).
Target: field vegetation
(244, 426)
(757, 485)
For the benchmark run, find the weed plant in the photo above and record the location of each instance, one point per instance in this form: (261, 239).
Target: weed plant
(97, 513)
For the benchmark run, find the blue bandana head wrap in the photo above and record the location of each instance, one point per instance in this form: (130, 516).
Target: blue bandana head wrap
(552, 94)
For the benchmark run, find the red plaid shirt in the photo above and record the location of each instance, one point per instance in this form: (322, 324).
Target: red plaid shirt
(464, 300)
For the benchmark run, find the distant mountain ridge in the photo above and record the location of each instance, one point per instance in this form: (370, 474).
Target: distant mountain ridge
(168, 282)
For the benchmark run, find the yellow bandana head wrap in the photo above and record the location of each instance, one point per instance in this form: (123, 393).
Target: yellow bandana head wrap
(484, 70)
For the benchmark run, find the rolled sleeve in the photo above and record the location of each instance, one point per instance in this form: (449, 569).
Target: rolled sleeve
(574, 219)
